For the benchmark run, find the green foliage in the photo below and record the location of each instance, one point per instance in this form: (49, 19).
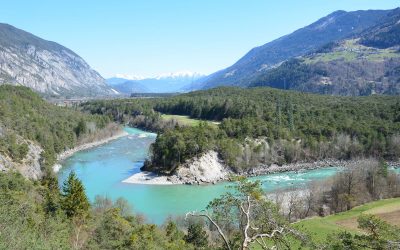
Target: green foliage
(175, 146)
(379, 235)
(25, 116)
(10, 146)
(25, 223)
(245, 214)
(289, 126)
(196, 235)
(113, 231)
(288, 75)
(74, 202)
(296, 126)
(81, 128)
(37, 216)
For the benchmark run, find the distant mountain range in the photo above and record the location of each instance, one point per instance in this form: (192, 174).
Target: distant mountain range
(344, 53)
(164, 83)
(347, 53)
(46, 67)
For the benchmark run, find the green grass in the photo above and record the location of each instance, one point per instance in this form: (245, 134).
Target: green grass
(186, 120)
(353, 51)
(320, 227)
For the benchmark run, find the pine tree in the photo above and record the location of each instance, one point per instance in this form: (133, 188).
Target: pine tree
(196, 236)
(75, 202)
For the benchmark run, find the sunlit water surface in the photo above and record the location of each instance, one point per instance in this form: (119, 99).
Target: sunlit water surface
(102, 170)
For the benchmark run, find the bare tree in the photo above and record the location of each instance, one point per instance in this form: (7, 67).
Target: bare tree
(255, 218)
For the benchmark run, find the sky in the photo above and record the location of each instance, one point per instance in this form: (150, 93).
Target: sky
(149, 37)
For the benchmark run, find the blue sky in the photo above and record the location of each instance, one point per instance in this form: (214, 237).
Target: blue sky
(148, 37)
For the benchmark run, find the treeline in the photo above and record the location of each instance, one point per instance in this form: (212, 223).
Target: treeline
(24, 117)
(138, 113)
(267, 126)
(263, 126)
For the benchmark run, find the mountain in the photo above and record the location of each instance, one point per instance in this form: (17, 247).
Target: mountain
(334, 27)
(46, 67)
(367, 63)
(125, 86)
(164, 83)
(385, 34)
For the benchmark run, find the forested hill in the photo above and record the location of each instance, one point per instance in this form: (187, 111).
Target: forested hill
(33, 131)
(367, 63)
(336, 26)
(266, 126)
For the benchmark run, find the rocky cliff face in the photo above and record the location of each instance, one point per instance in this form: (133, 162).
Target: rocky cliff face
(29, 167)
(46, 67)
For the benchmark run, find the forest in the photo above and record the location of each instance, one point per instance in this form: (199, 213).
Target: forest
(264, 126)
(25, 116)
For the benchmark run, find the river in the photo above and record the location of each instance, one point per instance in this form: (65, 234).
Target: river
(102, 170)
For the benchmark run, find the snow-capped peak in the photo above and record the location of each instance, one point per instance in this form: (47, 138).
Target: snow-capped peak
(130, 77)
(179, 74)
(174, 75)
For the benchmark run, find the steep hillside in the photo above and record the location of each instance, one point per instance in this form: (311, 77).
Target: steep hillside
(45, 66)
(33, 132)
(385, 34)
(346, 68)
(336, 26)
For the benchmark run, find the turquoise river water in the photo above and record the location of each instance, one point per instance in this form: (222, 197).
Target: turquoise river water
(102, 170)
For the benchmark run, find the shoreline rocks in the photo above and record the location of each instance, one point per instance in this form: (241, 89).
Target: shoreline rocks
(29, 167)
(209, 169)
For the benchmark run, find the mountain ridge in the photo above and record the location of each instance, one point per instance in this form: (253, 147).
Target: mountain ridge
(163, 83)
(46, 66)
(335, 26)
(367, 63)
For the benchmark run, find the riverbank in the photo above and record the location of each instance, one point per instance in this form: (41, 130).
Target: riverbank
(209, 169)
(64, 155)
(149, 178)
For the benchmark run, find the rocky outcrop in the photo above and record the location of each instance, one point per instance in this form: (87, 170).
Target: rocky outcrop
(28, 167)
(207, 168)
(46, 67)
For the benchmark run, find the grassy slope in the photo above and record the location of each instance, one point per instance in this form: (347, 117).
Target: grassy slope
(350, 51)
(185, 120)
(321, 227)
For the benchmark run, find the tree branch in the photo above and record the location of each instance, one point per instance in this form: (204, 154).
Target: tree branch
(214, 223)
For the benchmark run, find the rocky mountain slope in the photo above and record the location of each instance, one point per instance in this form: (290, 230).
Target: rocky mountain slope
(334, 27)
(45, 66)
(368, 63)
